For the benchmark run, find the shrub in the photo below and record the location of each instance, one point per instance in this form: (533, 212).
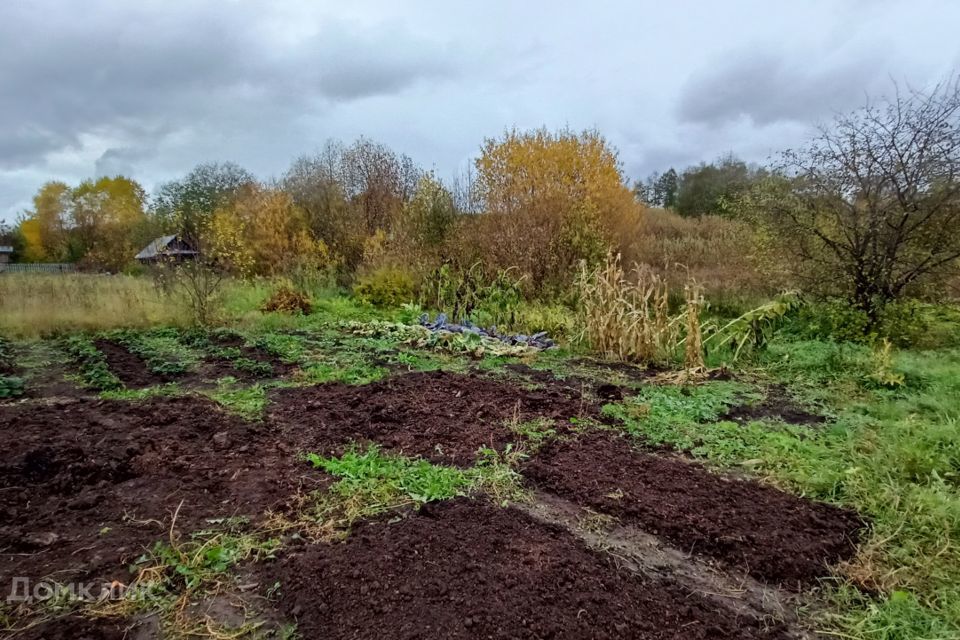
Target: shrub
(387, 286)
(286, 299)
(903, 323)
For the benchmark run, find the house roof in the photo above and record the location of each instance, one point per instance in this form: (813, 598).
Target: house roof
(161, 246)
(5, 248)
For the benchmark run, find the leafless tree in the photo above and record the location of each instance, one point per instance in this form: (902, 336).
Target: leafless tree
(874, 203)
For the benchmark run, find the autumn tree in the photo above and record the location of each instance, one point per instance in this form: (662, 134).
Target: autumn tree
(870, 208)
(261, 231)
(45, 229)
(429, 216)
(108, 221)
(314, 183)
(351, 194)
(186, 206)
(379, 181)
(551, 199)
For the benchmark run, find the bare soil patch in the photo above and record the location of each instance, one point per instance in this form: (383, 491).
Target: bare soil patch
(777, 405)
(129, 367)
(444, 417)
(606, 392)
(85, 484)
(769, 534)
(81, 628)
(464, 569)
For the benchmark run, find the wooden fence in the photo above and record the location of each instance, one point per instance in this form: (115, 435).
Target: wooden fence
(37, 267)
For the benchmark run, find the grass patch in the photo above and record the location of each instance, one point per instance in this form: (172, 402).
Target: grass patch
(371, 482)
(674, 415)
(133, 395)
(161, 349)
(536, 432)
(893, 455)
(247, 401)
(35, 304)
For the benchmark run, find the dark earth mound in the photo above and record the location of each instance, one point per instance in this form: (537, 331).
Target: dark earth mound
(445, 417)
(79, 628)
(463, 569)
(777, 405)
(767, 533)
(85, 484)
(603, 391)
(129, 367)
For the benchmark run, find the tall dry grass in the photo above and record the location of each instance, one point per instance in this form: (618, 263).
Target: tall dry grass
(34, 304)
(724, 256)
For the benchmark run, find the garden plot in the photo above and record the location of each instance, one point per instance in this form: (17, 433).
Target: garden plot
(769, 534)
(381, 508)
(130, 368)
(464, 569)
(87, 484)
(444, 417)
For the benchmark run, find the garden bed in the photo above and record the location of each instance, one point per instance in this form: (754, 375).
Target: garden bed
(86, 484)
(464, 569)
(769, 534)
(444, 417)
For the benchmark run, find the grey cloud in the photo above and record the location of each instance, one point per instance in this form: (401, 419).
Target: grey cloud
(118, 70)
(769, 87)
(120, 161)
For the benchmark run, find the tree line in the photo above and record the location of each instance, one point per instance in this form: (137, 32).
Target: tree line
(867, 209)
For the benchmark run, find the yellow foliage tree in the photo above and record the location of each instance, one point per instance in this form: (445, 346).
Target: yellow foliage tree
(551, 199)
(108, 216)
(262, 232)
(45, 229)
(32, 234)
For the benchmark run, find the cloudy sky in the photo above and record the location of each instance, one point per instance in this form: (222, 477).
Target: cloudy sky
(151, 88)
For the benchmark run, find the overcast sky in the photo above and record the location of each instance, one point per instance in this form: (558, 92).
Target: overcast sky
(151, 88)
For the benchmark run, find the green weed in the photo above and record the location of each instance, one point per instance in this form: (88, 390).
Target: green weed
(94, 371)
(132, 395)
(673, 414)
(161, 349)
(249, 402)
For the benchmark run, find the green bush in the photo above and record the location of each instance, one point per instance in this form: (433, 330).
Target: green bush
(902, 323)
(385, 287)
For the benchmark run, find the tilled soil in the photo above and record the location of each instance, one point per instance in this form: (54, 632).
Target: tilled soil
(604, 392)
(80, 628)
(444, 417)
(129, 367)
(464, 569)
(777, 405)
(85, 484)
(762, 531)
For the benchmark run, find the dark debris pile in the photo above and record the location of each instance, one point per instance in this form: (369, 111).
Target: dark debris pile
(536, 341)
